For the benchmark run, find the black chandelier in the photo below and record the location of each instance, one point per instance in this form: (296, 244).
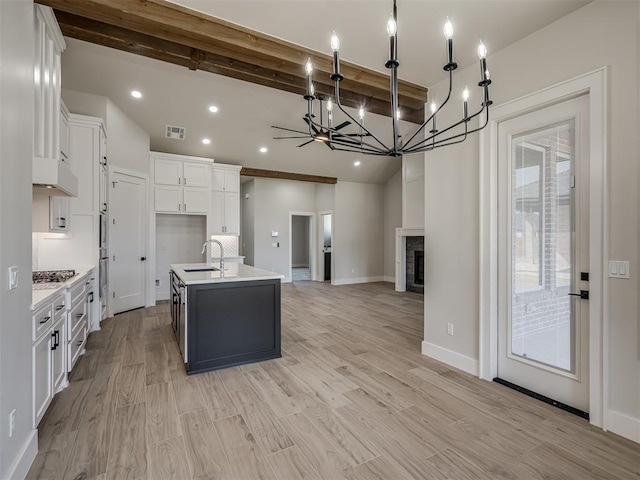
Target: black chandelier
(366, 142)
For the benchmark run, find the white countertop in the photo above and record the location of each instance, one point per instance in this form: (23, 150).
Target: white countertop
(40, 297)
(233, 272)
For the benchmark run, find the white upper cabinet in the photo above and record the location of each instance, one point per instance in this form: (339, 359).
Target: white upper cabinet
(64, 133)
(181, 183)
(225, 200)
(225, 178)
(86, 136)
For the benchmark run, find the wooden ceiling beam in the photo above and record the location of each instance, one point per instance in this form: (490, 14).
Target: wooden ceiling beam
(229, 49)
(257, 172)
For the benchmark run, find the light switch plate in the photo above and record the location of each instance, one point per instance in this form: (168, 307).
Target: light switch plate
(274, 233)
(13, 278)
(618, 269)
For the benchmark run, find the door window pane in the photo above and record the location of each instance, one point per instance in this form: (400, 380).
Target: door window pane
(542, 250)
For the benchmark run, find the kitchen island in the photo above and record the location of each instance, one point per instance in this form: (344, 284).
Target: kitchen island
(228, 318)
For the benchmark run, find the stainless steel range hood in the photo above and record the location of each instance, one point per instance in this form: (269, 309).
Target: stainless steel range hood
(54, 177)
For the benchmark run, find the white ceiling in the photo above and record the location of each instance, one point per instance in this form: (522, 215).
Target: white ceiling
(177, 96)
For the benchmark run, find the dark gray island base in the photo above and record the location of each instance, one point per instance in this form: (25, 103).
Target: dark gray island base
(222, 320)
(232, 324)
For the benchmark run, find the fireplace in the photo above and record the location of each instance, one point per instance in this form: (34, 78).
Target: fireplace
(414, 265)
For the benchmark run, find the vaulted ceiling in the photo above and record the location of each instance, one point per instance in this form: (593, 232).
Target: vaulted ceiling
(181, 44)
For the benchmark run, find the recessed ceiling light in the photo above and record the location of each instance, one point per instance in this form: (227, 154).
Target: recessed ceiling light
(206, 141)
(136, 94)
(263, 149)
(213, 108)
(356, 163)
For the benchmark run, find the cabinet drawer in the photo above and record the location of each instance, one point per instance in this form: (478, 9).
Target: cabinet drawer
(42, 321)
(75, 346)
(77, 317)
(76, 294)
(59, 305)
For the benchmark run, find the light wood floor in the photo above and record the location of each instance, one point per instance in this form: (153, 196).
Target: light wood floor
(352, 398)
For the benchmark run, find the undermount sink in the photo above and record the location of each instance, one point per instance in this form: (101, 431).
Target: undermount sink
(202, 269)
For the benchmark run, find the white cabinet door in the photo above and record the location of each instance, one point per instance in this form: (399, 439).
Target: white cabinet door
(103, 148)
(64, 137)
(42, 384)
(102, 187)
(59, 214)
(58, 357)
(168, 199)
(231, 181)
(167, 172)
(84, 147)
(231, 213)
(216, 214)
(217, 179)
(195, 200)
(195, 174)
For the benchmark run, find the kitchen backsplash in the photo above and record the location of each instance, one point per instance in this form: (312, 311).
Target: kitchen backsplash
(230, 244)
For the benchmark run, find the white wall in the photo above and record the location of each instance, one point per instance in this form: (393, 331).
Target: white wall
(413, 192)
(300, 241)
(392, 220)
(179, 239)
(247, 207)
(601, 33)
(358, 233)
(16, 154)
(85, 103)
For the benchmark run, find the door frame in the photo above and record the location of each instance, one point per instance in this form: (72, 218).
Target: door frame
(320, 240)
(148, 272)
(312, 243)
(595, 85)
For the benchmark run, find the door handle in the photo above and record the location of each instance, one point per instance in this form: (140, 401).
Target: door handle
(142, 259)
(584, 294)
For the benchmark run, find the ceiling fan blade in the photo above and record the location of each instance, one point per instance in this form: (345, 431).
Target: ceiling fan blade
(282, 138)
(342, 125)
(305, 143)
(288, 129)
(328, 144)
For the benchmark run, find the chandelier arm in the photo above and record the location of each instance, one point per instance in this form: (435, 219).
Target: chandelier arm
(441, 143)
(355, 150)
(435, 135)
(421, 127)
(359, 145)
(394, 104)
(337, 95)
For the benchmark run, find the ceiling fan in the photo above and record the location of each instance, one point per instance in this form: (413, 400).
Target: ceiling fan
(319, 134)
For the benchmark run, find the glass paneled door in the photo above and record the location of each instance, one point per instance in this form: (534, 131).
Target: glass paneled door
(543, 180)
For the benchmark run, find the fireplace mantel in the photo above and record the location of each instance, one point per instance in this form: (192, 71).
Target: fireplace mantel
(401, 252)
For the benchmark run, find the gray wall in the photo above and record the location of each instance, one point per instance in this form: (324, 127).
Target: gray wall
(601, 33)
(300, 241)
(16, 152)
(358, 235)
(247, 213)
(179, 239)
(392, 220)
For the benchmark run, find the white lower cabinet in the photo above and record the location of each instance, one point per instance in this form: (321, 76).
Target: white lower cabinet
(58, 357)
(42, 377)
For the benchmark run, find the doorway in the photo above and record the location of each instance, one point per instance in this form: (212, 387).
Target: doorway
(300, 248)
(127, 240)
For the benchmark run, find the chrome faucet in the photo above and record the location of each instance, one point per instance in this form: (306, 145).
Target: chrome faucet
(204, 247)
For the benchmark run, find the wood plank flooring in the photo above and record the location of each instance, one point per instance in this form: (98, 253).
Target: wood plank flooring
(352, 398)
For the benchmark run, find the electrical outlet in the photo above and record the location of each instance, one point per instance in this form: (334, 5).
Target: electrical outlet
(157, 282)
(449, 328)
(12, 422)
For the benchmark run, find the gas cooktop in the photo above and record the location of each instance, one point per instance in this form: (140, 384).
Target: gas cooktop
(51, 277)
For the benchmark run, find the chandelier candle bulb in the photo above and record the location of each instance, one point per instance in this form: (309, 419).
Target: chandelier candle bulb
(482, 54)
(434, 108)
(393, 47)
(308, 68)
(448, 34)
(465, 102)
(335, 47)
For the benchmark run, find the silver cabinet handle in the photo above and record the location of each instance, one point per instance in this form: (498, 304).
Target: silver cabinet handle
(59, 307)
(184, 182)
(78, 343)
(45, 320)
(179, 207)
(185, 207)
(79, 315)
(179, 180)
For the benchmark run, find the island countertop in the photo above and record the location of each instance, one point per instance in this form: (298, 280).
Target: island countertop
(233, 272)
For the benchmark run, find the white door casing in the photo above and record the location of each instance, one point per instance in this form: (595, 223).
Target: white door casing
(595, 84)
(128, 212)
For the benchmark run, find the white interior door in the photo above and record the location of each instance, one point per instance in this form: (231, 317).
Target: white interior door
(127, 241)
(543, 167)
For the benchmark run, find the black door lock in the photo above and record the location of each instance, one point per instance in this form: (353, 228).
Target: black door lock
(584, 294)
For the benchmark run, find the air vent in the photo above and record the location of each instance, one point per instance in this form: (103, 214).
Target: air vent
(175, 132)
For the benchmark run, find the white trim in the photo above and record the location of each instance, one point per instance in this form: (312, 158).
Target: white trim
(351, 281)
(184, 158)
(54, 31)
(25, 458)
(400, 279)
(320, 249)
(624, 425)
(390, 279)
(594, 83)
(455, 359)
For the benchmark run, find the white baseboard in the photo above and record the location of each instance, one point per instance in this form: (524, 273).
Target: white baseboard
(27, 455)
(390, 279)
(624, 425)
(455, 359)
(162, 296)
(350, 281)
(286, 280)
